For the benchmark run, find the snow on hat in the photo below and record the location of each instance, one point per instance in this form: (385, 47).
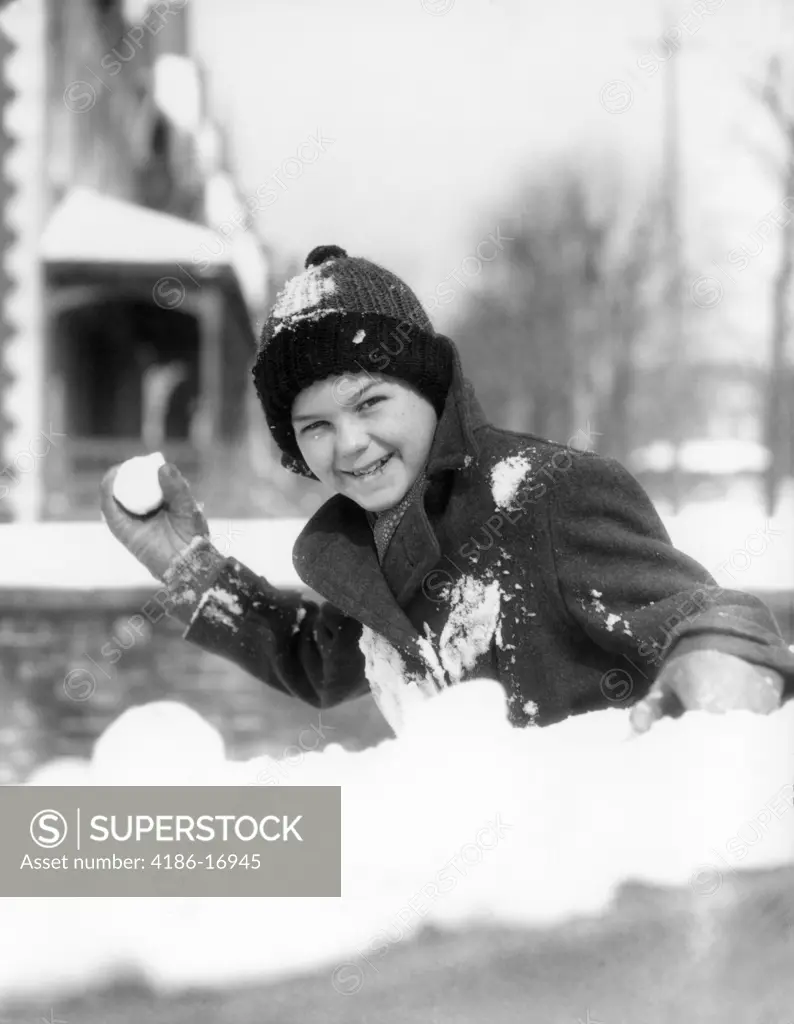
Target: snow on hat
(344, 315)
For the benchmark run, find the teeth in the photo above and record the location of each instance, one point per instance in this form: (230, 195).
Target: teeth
(372, 469)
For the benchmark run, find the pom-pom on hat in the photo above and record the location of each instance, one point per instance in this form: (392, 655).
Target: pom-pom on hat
(344, 315)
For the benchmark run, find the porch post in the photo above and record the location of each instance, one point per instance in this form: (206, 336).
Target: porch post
(205, 429)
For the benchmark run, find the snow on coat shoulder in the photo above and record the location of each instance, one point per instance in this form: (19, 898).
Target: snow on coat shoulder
(507, 477)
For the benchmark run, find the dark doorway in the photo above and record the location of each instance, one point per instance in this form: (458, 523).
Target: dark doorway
(129, 370)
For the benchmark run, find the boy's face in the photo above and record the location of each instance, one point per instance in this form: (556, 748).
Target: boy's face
(359, 422)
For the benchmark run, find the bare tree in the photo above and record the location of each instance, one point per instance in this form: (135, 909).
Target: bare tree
(552, 337)
(633, 300)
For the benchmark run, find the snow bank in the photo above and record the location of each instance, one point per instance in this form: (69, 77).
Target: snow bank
(463, 820)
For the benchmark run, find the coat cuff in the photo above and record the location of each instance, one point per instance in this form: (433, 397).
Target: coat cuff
(189, 576)
(733, 620)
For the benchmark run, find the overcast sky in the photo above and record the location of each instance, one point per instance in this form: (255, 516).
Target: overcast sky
(435, 109)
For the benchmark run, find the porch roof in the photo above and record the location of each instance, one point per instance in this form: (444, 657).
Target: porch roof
(88, 227)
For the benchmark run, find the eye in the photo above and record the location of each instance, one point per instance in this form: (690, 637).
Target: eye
(314, 427)
(369, 402)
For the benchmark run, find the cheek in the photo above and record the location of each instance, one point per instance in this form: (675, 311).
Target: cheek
(314, 452)
(403, 431)
(416, 434)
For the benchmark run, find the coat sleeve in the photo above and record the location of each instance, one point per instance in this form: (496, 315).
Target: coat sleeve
(632, 592)
(301, 647)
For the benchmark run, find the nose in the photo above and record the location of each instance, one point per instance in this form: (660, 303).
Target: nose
(351, 440)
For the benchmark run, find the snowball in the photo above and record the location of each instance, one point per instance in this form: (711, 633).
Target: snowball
(137, 486)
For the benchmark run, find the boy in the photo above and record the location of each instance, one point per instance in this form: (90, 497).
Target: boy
(451, 549)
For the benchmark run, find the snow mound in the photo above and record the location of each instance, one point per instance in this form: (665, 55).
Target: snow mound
(163, 743)
(62, 771)
(461, 821)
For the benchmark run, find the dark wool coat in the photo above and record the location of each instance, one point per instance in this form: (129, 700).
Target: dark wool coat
(529, 562)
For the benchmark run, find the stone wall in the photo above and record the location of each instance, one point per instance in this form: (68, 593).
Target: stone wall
(72, 661)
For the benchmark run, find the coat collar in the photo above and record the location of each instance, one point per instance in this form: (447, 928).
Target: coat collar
(455, 443)
(335, 553)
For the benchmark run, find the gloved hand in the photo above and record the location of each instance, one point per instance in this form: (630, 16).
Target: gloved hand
(158, 539)
(708, 681)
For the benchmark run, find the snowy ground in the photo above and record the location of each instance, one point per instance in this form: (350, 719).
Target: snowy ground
(536, 828)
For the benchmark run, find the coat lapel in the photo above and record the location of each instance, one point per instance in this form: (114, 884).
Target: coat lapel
(455, 444)
(335, 556)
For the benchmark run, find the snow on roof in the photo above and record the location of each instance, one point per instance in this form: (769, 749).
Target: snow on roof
(228, 216)
(88, 227)
(177, 90)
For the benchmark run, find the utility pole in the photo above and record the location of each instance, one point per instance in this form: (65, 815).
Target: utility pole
(777, 95)
(675, 319)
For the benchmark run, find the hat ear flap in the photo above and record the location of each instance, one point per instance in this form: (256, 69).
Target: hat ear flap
(297, 466)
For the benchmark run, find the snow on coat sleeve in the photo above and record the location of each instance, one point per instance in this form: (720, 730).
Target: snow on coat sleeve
(632, 592)
(298, 646)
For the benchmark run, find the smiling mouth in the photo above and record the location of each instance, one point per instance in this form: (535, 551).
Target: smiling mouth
(370, 470)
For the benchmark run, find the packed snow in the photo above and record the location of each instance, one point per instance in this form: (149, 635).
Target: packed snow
(304, 292)
(506, 478)
(474, 621)
(136, 486)
(461, 821)
(219, 606)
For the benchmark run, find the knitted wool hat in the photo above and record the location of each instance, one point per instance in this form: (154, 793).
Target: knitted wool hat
(344, 315)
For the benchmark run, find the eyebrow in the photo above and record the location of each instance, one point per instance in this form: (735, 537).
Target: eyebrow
(360, 395)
